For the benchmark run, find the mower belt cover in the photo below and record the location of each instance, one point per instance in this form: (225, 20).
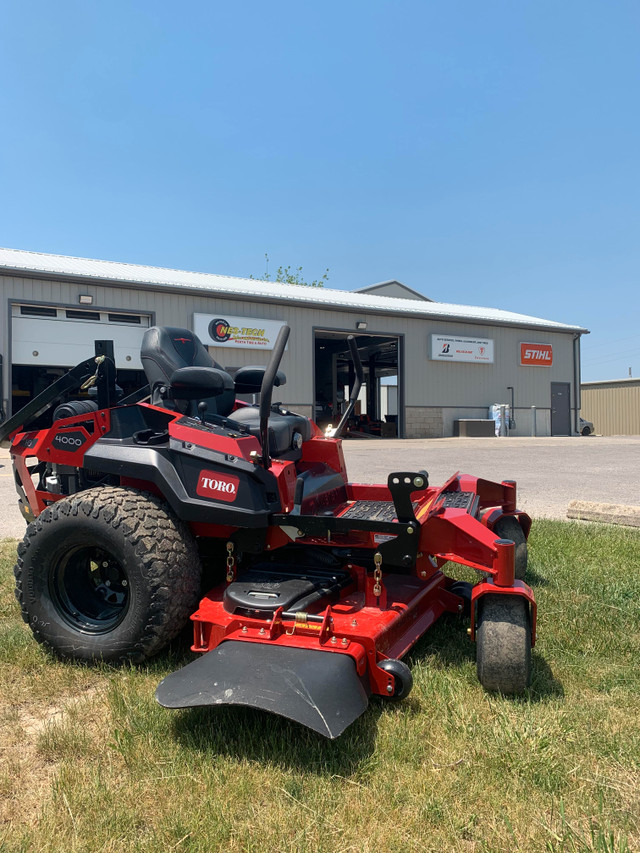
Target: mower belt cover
(320, 690)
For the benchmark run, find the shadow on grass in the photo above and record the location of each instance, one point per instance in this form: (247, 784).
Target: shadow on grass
(448, 643)
(258, 736)
(534, 578)
(544, 685)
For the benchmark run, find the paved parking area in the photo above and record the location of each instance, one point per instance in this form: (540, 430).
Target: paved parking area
(550, 472)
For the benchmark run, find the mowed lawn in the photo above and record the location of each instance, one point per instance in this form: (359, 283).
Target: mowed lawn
(91, 763)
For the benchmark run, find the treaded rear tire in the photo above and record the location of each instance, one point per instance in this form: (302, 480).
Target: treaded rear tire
(128, 610)
(508, 527)
(503, 640)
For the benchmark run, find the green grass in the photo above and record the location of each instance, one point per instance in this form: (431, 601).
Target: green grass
(89, 761)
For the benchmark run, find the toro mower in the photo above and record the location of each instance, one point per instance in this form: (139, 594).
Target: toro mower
(316, 587)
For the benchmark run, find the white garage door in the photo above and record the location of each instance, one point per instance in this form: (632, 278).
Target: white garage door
(64, 337)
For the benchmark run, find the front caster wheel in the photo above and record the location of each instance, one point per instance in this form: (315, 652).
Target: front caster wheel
(503, 638)
(401, 676)
(508, 527)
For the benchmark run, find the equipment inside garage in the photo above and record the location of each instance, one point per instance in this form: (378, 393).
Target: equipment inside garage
(47, 339)
(376, 414)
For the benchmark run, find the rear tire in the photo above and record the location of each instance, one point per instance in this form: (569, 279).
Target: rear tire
(503, 640)
(508, 527)
(107, 574)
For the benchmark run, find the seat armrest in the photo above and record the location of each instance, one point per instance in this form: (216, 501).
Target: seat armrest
(248, 379)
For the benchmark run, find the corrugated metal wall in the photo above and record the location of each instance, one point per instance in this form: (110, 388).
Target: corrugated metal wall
(613, 407)
(458, 389)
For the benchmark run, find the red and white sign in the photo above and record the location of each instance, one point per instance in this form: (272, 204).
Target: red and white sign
(447, 348)
(220, 487)
(536, 355)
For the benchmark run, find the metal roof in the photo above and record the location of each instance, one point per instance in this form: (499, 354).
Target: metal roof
(20, 262)
(626, 380)
(382, 285)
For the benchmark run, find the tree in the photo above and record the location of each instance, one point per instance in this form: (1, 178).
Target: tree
(286, 275)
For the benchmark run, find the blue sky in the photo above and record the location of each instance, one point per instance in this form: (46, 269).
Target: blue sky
(484, 153)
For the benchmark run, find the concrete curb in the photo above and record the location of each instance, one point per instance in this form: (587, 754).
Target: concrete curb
(606, 513)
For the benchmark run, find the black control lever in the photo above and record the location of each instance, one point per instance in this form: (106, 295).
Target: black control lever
(266, 392)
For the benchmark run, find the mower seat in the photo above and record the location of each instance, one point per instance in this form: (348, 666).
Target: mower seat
(287, 430)
(164, 350)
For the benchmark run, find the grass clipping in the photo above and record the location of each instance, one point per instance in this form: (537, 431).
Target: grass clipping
(91, 763)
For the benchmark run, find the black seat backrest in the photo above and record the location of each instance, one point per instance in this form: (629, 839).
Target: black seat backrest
(165, 349)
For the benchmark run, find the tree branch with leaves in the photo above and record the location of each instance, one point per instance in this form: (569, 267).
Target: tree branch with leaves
(287, 275)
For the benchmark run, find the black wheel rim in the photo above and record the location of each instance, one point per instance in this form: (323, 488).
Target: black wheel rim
(90, 589)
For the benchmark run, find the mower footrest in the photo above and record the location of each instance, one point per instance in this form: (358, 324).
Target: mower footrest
(371, 511)
(459, 500)
(321, 690)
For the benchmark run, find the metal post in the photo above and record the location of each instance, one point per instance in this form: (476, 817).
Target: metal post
(533, 420)
(503, 421)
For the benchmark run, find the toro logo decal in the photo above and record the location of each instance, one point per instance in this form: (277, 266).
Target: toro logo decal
(221, 487)
(538, 355)
(69, 441)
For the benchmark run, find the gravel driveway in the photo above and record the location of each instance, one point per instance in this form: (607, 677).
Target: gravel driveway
(550, 472)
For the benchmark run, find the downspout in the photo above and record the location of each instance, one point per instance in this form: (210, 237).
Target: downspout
(576, 383)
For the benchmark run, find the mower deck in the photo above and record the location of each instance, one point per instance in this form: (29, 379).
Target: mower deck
(344, 611)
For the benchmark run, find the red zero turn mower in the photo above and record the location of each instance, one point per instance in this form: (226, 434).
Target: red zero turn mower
(319, 586)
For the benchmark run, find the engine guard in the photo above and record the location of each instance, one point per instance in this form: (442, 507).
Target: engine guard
(320, 690)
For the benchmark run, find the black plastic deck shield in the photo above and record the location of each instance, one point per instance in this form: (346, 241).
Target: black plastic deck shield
(320, 690)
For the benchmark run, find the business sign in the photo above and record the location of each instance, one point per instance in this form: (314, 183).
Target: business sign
(225, 330)
(448, 348)
(536, 355)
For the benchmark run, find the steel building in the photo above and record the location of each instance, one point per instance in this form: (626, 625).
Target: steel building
(612, 406)
(449, 363)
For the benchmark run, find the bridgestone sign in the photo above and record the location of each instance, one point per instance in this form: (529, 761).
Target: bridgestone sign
(449, 348)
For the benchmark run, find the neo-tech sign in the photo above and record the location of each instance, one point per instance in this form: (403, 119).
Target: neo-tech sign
(224, 330)
(536, 355)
